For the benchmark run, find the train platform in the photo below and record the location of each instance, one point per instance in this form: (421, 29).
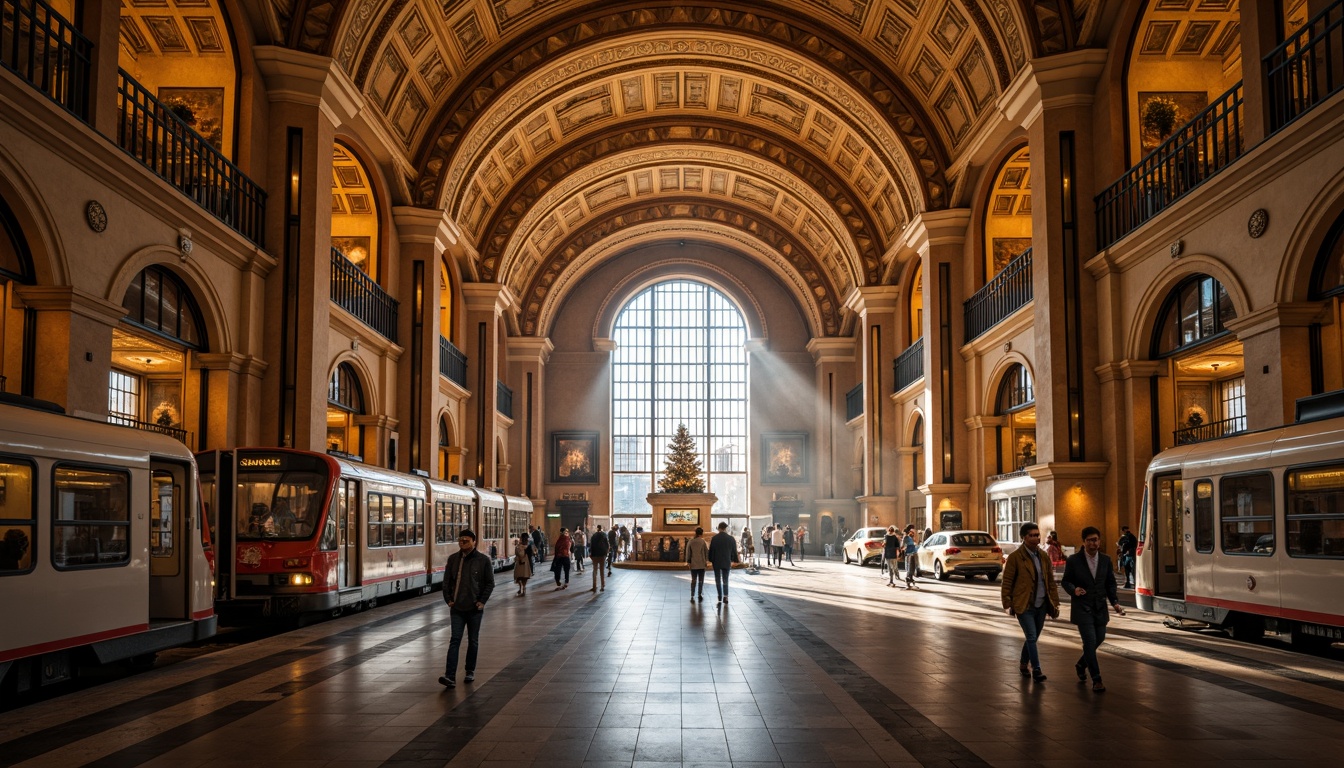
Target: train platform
(818, 665)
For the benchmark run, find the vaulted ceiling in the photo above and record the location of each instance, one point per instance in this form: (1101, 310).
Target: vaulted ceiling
(804, 133)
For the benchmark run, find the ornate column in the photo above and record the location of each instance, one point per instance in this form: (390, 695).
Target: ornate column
(485, 305)
(940, 240)
(878, 323)
(528, 356)
(835, 375)
(1128, 410)
(1069, 482)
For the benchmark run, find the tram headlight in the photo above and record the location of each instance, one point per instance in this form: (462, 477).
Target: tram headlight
(292, 579)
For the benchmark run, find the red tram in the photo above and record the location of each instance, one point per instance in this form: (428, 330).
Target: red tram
(315, 533)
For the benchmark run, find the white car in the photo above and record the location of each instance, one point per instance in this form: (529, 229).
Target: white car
(965, 553)
(864, 546)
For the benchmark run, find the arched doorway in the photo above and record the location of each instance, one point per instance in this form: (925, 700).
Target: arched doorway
(1007, 230)
(345, 402)
(151, 377)
(16, 268)
(1011, 495)
(918, 503)
(1205, 397)
(354, 213)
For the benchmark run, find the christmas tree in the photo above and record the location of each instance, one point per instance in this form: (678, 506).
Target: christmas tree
(683, 466)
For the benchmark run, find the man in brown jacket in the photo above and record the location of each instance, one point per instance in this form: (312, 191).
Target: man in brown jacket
(1029, 593)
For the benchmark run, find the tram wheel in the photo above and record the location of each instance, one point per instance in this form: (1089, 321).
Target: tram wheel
(372, 602)
(1247, 629)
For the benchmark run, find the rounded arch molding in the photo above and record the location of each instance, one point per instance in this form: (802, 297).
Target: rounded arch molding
(372, 400)
(989, 398)
(1304, 244)
(908, 434)
(36, 224)
(1138, 345)
(692, 269)
(202, 289)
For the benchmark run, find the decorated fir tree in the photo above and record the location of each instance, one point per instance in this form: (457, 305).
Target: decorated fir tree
(683, 473)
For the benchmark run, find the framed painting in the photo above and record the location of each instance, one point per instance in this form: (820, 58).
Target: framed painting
(1006, 249)
(574, 457)
(784, 457)
(1155, 125)
(688, 516)
(201, 108)
(354, 248)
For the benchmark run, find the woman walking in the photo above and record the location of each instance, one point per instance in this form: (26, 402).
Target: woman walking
(579, 546)
(801, 538)
(522, 562)
(911, 547)
(560, 561)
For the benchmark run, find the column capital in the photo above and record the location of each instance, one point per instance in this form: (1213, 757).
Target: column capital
(426, 226)
(309, 79)
(985, 422)
(1062, 471)
(873, 298)
(604, 345)
(64, 298)
(1129, 369)
(1275, 316)
(488, 297)
(1059, 81)
(232, 362)
(933, 228)
(530, 349)
(832, 349)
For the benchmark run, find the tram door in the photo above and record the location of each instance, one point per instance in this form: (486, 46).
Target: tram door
(169, 540)
(347, 532)
(1168, 530)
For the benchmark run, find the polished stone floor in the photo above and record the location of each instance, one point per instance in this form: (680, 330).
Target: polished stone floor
(817, 665)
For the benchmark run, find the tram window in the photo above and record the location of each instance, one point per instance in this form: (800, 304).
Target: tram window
(277, 505)
(373, 511)
(18, 518)
(91, 523)
(163, 497)
(1315, 515)
(1203, 518)
(398, 520)
(442, 522)
(418, 531)
(1247, 514)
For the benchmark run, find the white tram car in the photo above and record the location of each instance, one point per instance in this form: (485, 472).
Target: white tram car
(309, 532)
(102, 552)
(1247, 533)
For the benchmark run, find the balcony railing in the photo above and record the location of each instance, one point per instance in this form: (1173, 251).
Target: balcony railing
(151, 133)
(1307, 68)
(358, 294)
(1195, 153)
(148, 426)
(503, 399)
(40, 46)
(1009, 291)
(910, 365)
(854, 403)
(452, 363)
(1211, 431)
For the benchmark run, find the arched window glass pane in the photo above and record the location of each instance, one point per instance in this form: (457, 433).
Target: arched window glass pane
(1327, 277)
(159, 301)
(1197, 310)
(1016, 392)
(344, 391)
(679, 360)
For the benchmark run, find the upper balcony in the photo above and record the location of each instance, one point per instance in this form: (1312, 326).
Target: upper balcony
(910, 365)
(1009, 291)
(1214, 430)
(854, 402)
(452, 362)
(503, 400)
(358, 294)
(46, 50)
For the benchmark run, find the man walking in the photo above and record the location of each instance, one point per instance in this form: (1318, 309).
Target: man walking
(697, 557)
(1089, 582)
(468, 580)
(788, 544)
(560, 561)
(538, 543)
(598, 546)
(1029, 594)
(1127, 545)
(580, 546)
(765, 544)
(722, 555)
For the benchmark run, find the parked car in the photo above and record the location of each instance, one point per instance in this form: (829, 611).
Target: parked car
(864, 545)
(965, 553)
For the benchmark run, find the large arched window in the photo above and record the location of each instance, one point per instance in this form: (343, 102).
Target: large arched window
(1008, 214)
(679, 360)
(1194, 313)
(1017, 401)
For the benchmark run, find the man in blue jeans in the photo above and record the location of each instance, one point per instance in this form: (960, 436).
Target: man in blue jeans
(468, 580)
(1029, 593)
(722, 555)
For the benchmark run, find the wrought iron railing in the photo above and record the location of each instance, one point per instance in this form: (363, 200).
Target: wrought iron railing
(452, 362)
(358, 294)
(910, 365)
(148, 426)
(1009, 291)
(1307, 68)
(854, 403)
(150, 132)
(1196, 152)
(503, 399)
(42, 47)
(1211, 431)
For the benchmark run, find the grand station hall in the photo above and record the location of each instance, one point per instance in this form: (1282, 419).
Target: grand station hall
(320, 315)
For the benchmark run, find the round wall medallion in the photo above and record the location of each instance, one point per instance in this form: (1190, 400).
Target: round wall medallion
(1177, 248)
(96, 216)
(1259, 221)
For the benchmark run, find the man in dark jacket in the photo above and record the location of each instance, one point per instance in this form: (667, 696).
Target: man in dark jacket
(468, 580)
(722, 555)
(598, 547)
(538, 543)
(1126, 547)
(1089, 581)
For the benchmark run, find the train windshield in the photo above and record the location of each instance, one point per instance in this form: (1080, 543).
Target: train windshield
(279, 504)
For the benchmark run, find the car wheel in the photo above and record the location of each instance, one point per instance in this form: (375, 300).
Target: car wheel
(993, 577)
(939, 572)
(846, 551)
